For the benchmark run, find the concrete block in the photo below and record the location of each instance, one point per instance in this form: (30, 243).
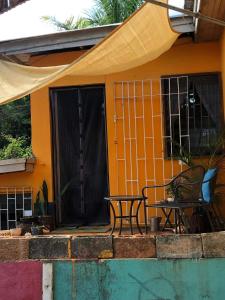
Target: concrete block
(134, 247)
(92, 247)
(179, 246)
(213, 244)
(49, 247)
(13, 249)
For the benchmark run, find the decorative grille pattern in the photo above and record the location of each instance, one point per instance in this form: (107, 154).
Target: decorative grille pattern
(139, 135)
(15, 203)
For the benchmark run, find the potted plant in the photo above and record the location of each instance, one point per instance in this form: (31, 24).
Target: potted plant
(43, 209)
(36, 229)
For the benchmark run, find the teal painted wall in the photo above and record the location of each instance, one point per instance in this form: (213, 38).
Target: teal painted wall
(140, 279)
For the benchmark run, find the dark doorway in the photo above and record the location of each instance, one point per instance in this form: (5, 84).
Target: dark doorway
(80, 155)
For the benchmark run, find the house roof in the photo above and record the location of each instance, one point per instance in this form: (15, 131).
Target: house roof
(20, 49)
(64, 40)
(206, 31)
(6, 5)
(73, 40)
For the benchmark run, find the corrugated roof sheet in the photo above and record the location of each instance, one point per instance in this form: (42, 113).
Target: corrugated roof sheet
(6, 5)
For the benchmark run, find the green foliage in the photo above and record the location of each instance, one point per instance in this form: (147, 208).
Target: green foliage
(38, 197)
(112, 11)
(69, 24)
(171, 190)
(214, 157)
(41, 203)
(44, 190)
(104, 12)
(15, 121)
(15, 129)
(16, 148)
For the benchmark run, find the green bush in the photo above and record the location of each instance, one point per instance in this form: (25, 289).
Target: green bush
(16, 148)
(15, 121)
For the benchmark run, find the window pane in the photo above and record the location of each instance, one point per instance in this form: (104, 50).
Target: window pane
(192, 112)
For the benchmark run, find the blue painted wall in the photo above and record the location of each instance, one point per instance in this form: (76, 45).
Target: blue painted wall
(140, 279)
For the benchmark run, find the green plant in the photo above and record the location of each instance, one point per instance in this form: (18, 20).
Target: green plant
(171, 191)
(111, 11)
(69, 24)
(215, 153)
(16, 148)
(41, 202)
(42, 198)
(44, 190)
(104, 12)
(38, 206)
(37, 200)
(15, 121)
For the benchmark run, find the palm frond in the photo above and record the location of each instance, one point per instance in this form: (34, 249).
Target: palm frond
(69, 24)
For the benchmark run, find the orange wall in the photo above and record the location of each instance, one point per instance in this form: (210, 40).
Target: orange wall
(184, 57)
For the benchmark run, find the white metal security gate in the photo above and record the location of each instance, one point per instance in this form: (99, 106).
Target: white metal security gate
(140, 135)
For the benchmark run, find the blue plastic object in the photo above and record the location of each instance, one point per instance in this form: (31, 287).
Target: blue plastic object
(207, 191)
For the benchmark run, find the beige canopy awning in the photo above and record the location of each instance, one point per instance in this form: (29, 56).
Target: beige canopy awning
(142, 38)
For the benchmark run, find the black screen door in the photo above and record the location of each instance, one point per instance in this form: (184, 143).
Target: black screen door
(79, 151)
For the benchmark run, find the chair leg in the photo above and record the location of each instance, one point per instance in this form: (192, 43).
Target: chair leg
(179, 220)
(145, 216)
(167, 218)
(121, 217)
(137, 218)
(175, 220)
(216, 217)
(209, 218)
(184, 221)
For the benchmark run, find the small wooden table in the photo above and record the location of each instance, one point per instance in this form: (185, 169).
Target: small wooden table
(132, 214)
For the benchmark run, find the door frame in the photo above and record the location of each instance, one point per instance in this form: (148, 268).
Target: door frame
(54, 137)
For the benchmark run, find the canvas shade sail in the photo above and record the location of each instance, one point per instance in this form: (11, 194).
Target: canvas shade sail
(142, 38)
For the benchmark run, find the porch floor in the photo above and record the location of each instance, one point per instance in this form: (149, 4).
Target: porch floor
(104, 230)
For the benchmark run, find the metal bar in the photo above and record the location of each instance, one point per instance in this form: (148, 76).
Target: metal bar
(179, 118)
(23, 198)
(136, 134)
(124, 142)
(130, 133)
(171, 133)
(196, 15)
(162, 140)
(153, 145)
(132, 180)
(15, 207)
(188, 118)
(7, 195)
(116, 139)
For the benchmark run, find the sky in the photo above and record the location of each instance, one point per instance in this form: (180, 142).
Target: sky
(25, 20)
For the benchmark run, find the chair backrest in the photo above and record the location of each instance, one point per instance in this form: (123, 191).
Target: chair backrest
(208, 185)
(187, 185)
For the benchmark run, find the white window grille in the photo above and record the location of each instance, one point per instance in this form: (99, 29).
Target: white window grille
(15, 203)
(139, 135)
